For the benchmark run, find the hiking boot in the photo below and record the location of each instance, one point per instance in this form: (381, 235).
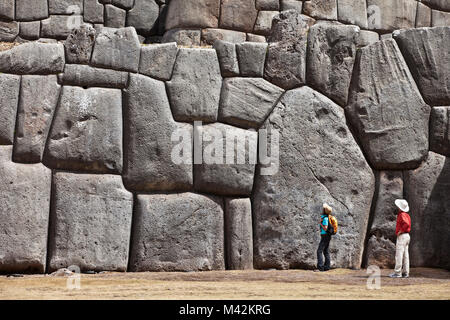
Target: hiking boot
(395, 275)
(404, 275)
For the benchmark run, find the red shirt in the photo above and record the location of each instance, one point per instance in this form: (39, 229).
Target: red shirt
(403, 223)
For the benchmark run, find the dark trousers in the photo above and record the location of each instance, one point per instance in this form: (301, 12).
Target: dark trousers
(323, 249)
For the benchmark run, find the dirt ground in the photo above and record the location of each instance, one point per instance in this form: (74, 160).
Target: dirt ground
(272, 284)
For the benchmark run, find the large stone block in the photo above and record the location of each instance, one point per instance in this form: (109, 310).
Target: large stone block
(114, 17)
(194, 90)
(428, 61)
(286, 56)
(321, 9)
(143, 16)
(93, 11)
(7, 9)
(226, 52)
(178, 232)
(24, 214)
(65, 6)
(440, 130)
(87, 76)
(426, 189)
(390, 15)
(440, 18)
(386, 109)
(151, 164)
(353, 12)
(226, 167)
(247, 102)
(86, 134)
(263, 23)
(90, 222)
(183, 37)
(33, 58)
(423, 16)
(8, 31)
(117, 49)
(125, 4)
(211, 35)
(380, 249)
(443, 5)
(157, 60)
(251, 57)
(38, 98)
(239, 235)
(9, 100)
(30, 30)
(27, 10)
(59, 27)
(193, 13)
(238, 15)
(319, 161)
(78, 45)
(331, 56)
(267, 4)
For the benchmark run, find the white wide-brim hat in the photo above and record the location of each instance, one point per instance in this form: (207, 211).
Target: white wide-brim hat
(402, 204)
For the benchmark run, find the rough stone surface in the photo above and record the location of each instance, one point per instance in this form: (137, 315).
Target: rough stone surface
(59, 27)
(157, 61)
(65, 6)
(90, 222)
(251, 57)
(226, 52)
(226, 167)
(183, 37)
(440, 130)
(194, 90)
(426, 189)
(263, 23)
(238, 15)
(367, 37)
(30, 30)
(423, 16)
(267, 4)
(286, 56)
(33, 58)
(193, 13)
(386, 109)
(86, 76)
(7, 9)
(443, 5)
(353, 12)
(239, 237)
(209, 36)
(178, 232)
(428, 61)
(440, 18)
(125, 4)
(117, 49)
(78, 45)
(8, 31)
(331, 56)
(114, 17)
(24, 213)
(86, 134)
(246, 102)
(319, 161)
(93, 11)
(321, 9)
(148, 164)
(38, 98)
(9, 99)
(255, 38)
(387, 16)
(296, 5)
(143, 16)
(27, 10)
(381, 245)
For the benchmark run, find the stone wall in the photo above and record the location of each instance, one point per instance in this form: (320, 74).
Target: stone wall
(109, 157)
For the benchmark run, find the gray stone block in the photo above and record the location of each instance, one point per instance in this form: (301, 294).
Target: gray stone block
(387, 16)
(65, 6)
(8, 31)
(225, 168)
(78, 45)
(157, 60)
(319, 161)
(367, 37)
(226, 51)
(125, 4)
(353, 12)
(149, 163)
(423, 16)
(267, 5)
(247, 102)
(9, 99)
(389, 114)
(33, 58)
(251, 57)
(87, 76)
(440, 130)
(238, 234)
(209, 36)
(321, 9)
(27, 10)
(442, 5)
(24, 212)
(86, 134)
(178, 232)
(90, 222)
(60, 27)
(194, 90)
(183, 37)
(296, 5)
(239, 15)
(263, 23)
(428, 61)
(117, 49)
(7, 9)
(30, 30)
(143, 16)
(193, 14)
(38, 98)
(440, 18)
(93, 11)
(114, 17)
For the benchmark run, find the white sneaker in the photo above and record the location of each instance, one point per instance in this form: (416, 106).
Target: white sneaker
(395, 275)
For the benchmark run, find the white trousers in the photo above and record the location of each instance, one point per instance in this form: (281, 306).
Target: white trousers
(402, 254)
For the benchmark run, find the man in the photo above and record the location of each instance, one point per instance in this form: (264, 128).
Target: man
(324, 240)
(402, 231)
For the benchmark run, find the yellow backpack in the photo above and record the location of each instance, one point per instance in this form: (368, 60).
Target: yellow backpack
(333, 223)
